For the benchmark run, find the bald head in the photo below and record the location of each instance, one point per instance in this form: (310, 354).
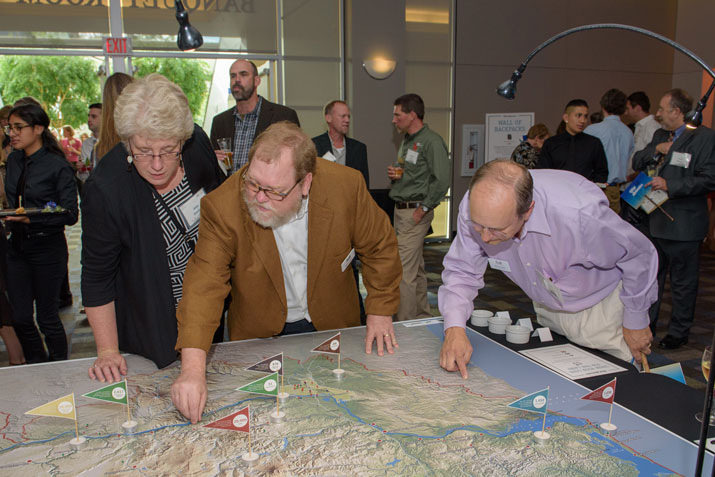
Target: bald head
(500, 200)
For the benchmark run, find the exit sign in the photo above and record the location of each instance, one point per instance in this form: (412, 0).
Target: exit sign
(117, 46)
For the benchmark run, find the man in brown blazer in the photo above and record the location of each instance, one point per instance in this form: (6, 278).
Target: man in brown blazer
(283, 251)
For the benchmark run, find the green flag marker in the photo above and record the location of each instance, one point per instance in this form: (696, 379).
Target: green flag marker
(116, 393)
(267, 385)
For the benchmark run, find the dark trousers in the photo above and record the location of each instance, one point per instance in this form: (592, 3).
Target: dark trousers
(681, 260)
(297, 327)
(36, 270)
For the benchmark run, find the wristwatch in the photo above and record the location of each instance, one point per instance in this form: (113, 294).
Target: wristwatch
(424, 208)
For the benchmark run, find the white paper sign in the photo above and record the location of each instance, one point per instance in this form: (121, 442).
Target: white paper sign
(503, 314)
(544, 334)
(526, 323)
(505, 131)
(571, 362)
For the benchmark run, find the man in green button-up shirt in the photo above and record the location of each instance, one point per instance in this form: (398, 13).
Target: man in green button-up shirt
(418, 186)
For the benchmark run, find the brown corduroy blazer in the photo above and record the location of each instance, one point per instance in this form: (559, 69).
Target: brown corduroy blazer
(236, 255)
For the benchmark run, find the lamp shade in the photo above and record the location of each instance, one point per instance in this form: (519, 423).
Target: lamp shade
(379, 68)
(188, 37)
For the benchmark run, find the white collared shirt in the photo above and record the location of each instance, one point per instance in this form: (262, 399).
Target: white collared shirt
(292, 243)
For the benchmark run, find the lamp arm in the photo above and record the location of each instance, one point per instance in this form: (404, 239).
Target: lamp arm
(618, 26)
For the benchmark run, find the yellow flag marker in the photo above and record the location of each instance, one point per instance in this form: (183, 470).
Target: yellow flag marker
(63, 407)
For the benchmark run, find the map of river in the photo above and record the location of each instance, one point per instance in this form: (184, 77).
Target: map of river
(399, 414)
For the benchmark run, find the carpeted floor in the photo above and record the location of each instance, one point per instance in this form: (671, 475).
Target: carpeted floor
(499, 294)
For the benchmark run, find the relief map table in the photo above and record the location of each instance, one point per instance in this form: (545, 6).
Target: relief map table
(395, 415)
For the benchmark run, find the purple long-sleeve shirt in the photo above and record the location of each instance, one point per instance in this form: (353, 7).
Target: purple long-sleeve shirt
(571, 238)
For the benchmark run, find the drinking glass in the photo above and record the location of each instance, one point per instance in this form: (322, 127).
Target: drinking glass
(705, 366)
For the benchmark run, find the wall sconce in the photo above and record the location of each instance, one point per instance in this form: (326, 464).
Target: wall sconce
(379, 68)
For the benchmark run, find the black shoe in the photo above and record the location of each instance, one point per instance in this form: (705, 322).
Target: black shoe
(672, 342)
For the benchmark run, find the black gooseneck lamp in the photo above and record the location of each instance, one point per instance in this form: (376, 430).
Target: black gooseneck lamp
(692, 120)
(188, 37)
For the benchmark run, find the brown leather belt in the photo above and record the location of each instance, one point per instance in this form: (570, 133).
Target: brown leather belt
(407, 205)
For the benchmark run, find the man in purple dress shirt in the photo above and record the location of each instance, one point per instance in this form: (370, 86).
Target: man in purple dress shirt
(591, 275)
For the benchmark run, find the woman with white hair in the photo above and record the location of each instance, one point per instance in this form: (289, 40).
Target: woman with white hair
(140, 217)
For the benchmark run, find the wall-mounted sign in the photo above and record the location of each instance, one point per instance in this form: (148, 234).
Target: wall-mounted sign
(117, 46)
(504, 132)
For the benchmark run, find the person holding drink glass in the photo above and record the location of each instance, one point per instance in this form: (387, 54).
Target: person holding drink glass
(420, 180)
(140, 218)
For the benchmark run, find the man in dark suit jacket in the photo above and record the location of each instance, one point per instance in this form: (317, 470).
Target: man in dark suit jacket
(251, 115)
(344, 150)
(682, 162)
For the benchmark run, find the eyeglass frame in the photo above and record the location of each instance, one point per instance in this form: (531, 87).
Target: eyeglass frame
(497, 233)
(281, 196)
(15, 128)
(142, 158)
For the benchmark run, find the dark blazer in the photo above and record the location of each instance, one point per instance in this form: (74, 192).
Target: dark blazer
(123, 250)
(355, 153)
(223, 124)
(687, 186)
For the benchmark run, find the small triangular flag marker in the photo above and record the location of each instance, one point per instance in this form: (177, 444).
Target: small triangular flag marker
(274, 364)
(605, 393)
(238, 421)
(267, 385)
(534, 402)
(116, 393)
(331, 345)
(63, 407)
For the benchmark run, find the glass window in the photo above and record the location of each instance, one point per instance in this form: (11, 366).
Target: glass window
(53, 23)
(311, 28)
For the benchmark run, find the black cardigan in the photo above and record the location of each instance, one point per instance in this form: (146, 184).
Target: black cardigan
(123, 250)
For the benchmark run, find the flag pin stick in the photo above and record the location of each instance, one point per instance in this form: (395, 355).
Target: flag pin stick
(130, 424)
(283, 395)
(78, 440)
(542, 436)
(338, 371)
(249, 456)
(278, 415)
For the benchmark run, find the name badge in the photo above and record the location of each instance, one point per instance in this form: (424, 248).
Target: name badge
(412, 156)
(502, 265)
(348, 260)
(680, 159)
(551, 288)
(191, 209)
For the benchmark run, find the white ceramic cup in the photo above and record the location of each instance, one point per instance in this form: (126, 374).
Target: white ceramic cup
(517, 334)
(498, 324)
(481, 317)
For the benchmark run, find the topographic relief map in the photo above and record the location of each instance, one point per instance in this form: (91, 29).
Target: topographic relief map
(395, 415)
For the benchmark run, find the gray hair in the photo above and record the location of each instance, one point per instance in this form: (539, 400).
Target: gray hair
(154, 107)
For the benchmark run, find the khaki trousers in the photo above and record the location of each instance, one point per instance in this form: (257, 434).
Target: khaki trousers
(613, 194)
(599, 327)
(410, 241)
